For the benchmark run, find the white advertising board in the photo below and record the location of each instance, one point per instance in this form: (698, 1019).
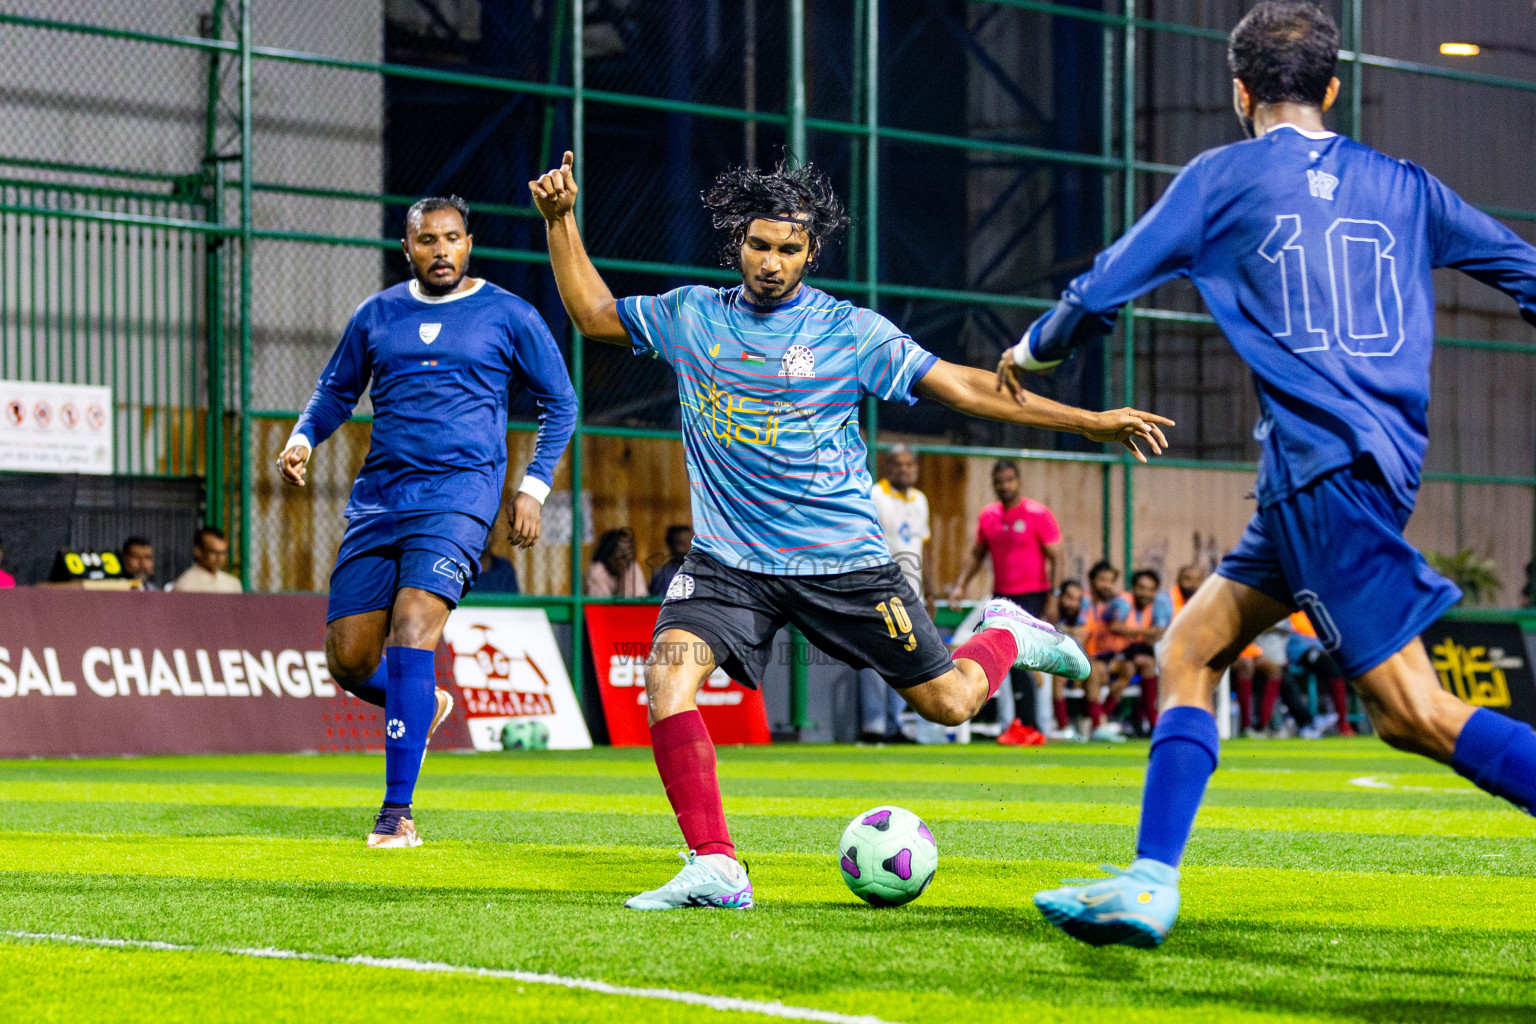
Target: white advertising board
(507, 667)
(55, 428)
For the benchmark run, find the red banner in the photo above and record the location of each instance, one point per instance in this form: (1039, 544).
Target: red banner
(621, 641)
(91, 674)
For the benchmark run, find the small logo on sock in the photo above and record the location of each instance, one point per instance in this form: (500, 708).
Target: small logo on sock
(395, 728)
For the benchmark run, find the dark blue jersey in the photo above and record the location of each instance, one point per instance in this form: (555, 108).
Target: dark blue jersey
(441, 370)
(1313, 253)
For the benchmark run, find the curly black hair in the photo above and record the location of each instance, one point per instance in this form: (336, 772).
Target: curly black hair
(1285, 51)
(741, 195)
(431, 204)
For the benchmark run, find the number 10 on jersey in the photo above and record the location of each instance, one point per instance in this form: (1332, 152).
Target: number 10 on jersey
(1364, 298)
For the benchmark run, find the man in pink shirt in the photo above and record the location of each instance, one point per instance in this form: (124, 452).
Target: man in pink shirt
(1024, 542)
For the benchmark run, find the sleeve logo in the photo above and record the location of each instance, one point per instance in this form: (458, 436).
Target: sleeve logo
(798, 361)
(429, 332)
(681, 587)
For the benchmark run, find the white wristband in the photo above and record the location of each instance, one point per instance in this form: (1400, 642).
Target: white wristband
(1025, 360)
(300, 439)
(535, 488)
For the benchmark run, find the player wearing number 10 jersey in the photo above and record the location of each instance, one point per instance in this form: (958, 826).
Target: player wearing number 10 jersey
(1314, 254)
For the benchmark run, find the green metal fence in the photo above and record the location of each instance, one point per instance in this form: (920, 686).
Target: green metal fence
(165, 312)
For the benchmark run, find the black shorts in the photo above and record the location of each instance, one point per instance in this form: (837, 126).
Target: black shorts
(1032, 602)
(869, 618)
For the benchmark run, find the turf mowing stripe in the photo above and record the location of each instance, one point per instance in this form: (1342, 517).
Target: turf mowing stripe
(723, 1003)
(1485, 818)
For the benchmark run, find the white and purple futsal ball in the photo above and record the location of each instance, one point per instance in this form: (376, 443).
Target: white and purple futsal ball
(888, 856)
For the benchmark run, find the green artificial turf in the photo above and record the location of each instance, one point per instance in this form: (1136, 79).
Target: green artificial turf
(1328, 881)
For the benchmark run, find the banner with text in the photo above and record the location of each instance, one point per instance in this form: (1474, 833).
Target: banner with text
(621, 641)
(97, 674)
(1485, 664)
(508, 669)
(55, 428)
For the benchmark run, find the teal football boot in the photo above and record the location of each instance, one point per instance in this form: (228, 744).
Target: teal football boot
(698, 884)
(1042, 647)
(1135, 906)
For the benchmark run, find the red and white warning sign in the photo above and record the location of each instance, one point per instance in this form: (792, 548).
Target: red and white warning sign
(41, 428)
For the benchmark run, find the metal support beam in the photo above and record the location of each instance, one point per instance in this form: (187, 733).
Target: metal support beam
(246, 177)
(578, 349)
(796, 83)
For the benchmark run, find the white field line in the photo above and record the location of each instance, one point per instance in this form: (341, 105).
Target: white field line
(728, 1004)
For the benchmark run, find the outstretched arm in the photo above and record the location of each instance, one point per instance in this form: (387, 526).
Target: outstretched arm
(1162, 245)
(976, 393)
(588, 301)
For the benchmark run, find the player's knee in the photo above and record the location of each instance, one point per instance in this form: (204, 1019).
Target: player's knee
(949, 706)
(350, 663)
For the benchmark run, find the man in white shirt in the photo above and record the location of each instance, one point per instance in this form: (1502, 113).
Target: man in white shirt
(903, 513)
(206, 576)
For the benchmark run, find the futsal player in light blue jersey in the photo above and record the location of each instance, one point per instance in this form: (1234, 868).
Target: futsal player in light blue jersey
(1314, 255)
(770, 376)
(439, 355)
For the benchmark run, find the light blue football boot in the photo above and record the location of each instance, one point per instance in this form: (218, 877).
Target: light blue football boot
(1042, 647)
(699, 884)
(1135, 906)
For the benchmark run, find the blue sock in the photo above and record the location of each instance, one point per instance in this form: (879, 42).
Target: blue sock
(409, 705)
(374, 689)
(1499, 754)
(1183, 756)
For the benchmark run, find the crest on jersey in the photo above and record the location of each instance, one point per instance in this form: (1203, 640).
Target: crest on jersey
(798, 361)
(429, 332)
(1321, 184)
(681, 587)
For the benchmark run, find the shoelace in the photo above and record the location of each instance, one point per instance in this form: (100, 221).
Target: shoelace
(693, 872)
(387, 822)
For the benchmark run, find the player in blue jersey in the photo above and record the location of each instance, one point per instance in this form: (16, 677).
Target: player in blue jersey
(770, 375)
(439, 355)
(1313, 253)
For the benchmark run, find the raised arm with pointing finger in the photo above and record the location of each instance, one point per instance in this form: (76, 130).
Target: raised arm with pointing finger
(973, 391)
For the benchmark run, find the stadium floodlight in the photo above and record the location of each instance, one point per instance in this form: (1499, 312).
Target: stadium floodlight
(1460, 49)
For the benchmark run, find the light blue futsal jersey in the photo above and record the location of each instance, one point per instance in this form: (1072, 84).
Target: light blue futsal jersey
(770, 402)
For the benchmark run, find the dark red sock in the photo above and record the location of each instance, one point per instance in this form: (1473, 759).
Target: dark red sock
(995, 650)
(1095, 713)
(1340, 698)
(1244, 686)
(1267, 706)
(1063, 719)
(685, 758)
(1149, 699)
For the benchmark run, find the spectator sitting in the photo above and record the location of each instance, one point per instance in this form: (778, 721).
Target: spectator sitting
(497, 576)
(7, 581)
(206, 576)
(1072, 619)
(138, 558)
(1105, 648)
(614, 572)
(1140, 617)
(679, 543)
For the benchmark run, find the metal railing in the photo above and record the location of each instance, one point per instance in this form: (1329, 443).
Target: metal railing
(182, 364)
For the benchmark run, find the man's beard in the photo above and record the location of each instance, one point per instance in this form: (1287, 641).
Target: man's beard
(429, 288)
(758, 299)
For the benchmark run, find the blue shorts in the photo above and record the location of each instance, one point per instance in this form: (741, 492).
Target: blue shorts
(433, 551)
(1336, 549)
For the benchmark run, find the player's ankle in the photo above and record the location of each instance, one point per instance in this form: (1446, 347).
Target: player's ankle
(724, 863)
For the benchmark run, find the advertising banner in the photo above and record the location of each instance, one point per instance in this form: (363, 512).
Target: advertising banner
(1485, 664)
(87, 674)
(507, 669)
(55, 428)
(621, 641)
